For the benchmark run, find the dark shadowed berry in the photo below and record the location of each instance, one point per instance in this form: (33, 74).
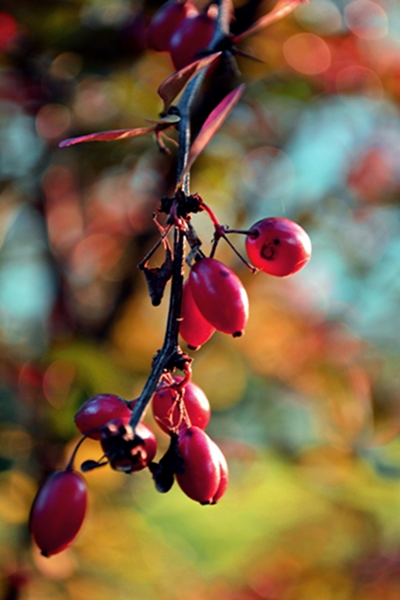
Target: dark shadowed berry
(193, 35)
(194, 328)
(125, 449)
(166, 20)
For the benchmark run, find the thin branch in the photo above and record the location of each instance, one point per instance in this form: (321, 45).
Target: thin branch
(170, 353)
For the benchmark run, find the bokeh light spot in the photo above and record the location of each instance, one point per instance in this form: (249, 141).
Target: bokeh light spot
(57, 382)
(321, 16)
(307, 53)
(359, 80)
(66, 65)
(268, 170)
(8, 31)
(95, 254)
(366, 19)
(52, 121)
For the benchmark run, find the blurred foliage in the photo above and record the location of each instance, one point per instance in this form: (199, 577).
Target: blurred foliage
(305, 405)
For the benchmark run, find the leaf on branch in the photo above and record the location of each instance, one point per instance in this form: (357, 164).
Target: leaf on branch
(158, 277)
(163, 478)
(282, 8)
(211, 126)
(174, 84)
(106, 136)
(167, 120)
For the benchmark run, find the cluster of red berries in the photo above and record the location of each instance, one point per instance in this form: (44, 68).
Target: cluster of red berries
(180, 29)
(181, 409)
(214, 297)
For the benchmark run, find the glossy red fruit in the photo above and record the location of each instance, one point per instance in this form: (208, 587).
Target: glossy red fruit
(149, 440)
(219, 295)
(98, 411)
(165, 21)
(193, 35)
(166, 408)
(58, 511)
(278, 246)
(223, 474)
(125, 451)
(205, 475)
(194, 328)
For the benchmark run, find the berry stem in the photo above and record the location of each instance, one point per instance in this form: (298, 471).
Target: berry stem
(70, 464)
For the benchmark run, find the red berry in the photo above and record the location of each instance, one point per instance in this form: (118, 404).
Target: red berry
(166, 20)
(126, 451)
(149, 440)
(193, 35)
(278, 246)
(223, 474)
(205, 475)
(219, 295)
(194, 328)
(166, 408)
(98, 411)
(58, 511)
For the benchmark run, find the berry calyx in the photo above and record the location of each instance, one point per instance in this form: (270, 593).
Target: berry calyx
(278, 246)
(165, 21)
(194, 328)
(96, 412)
(58, 511)
(219, 295)
(193, 35)
(205, 475)
(171, 409)
(128, 450)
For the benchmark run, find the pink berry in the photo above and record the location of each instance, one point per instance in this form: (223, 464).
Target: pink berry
(219, 295)
(193, 35)
(98, 411)
(278, 246)
(167, 411)
(58, 511)
(165, 21)
(194, 328)
(205, 475)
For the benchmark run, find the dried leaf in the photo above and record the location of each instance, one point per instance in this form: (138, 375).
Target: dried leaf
(174, 84)
(106, 136)
(282, 8)
(158, 277)
(211, 126)
(167, 120)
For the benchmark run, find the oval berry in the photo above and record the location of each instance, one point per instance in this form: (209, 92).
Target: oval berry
(165, 21)
(167, 412)
(193, 35)
(58, 511)
(201, 478)
(219, 295)
(98, 411)
(194, 328)
(278, 246)
(149, 440)
(126, 451)
(223, 473)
